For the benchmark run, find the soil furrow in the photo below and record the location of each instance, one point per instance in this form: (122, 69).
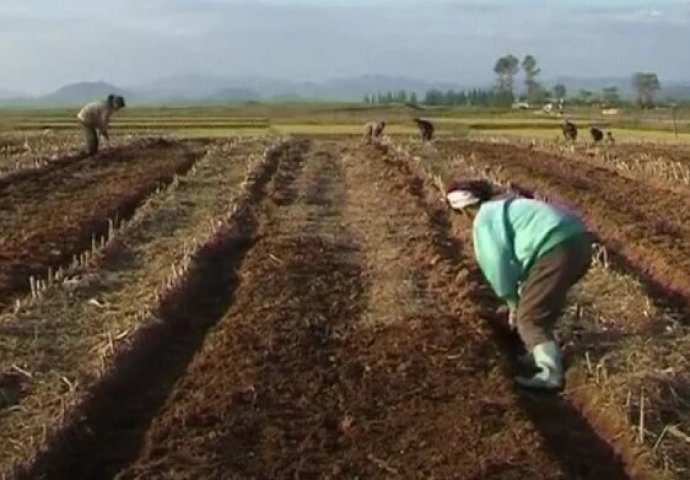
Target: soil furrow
(47, 218)
(261, 399)
(397, 292)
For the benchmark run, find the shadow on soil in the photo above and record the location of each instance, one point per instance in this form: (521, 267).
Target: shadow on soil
(108, 429)
(582, 453)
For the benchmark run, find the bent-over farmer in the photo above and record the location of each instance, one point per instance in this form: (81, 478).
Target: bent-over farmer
(95, 118)
(531, 253)
(426, 129)
(373, 130)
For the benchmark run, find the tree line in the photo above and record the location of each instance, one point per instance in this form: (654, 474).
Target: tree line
(435, 98)
(645, 84)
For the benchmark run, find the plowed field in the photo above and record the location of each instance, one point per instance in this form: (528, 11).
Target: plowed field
(50, 215)
(334, 326)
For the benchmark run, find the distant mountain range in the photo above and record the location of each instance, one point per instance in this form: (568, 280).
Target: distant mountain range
(5, 94)
(79, 92)
(208, 89)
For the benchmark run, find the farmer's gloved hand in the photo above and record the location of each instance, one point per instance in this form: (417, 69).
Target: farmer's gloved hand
(512, 318)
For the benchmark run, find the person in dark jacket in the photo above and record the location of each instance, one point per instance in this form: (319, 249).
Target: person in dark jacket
(597, 134)
(426, 129)
(569, 130)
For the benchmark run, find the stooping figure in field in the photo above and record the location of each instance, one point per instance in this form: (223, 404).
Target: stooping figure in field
(373, 130)
(609, 139)
(597, 134)
(95, 118)
(532, 253)
(569, 130)
(426, 129)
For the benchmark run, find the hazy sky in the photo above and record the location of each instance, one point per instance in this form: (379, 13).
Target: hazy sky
(47, 43)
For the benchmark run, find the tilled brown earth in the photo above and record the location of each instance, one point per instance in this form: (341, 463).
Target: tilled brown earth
(316, 369)
(47, 216)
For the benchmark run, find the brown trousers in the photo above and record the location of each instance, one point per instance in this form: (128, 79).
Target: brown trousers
(91, 137)
(544, 292)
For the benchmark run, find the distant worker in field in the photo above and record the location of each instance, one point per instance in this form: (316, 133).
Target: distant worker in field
(532, 253)
(373, 130)
(569, 130)
(95, 118)
(426, 129)
(597, 134)
(609, 139)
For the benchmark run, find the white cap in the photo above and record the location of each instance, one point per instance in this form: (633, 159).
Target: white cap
(460, 199)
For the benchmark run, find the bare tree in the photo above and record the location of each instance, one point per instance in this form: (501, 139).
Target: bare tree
(506, 68)
(534, 89)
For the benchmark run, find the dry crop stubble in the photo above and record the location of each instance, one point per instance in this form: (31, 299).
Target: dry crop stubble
(88, 194)
(103, 304)
(656, 163)
(35, 149)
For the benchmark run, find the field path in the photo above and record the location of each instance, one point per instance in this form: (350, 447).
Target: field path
(48, 216)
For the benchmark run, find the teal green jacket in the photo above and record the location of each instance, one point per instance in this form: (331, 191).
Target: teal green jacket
(511, 234)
